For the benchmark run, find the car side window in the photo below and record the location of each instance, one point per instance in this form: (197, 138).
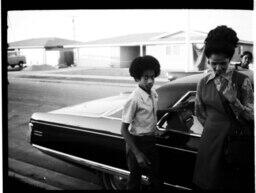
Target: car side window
(12, 54)
(181, 117)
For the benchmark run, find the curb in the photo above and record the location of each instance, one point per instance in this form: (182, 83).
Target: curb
(90, 78)
(32, 182)
(46, 179)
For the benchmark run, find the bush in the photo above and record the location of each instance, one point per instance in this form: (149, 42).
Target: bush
(42, 67)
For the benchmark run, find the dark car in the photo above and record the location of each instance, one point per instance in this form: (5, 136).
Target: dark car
(89, 134)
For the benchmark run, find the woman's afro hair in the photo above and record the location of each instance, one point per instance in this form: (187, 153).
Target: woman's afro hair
(142, 64)
(221, 40)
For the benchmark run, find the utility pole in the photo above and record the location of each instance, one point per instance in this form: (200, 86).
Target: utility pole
(188, 42)
(75, 50)
(73, 22)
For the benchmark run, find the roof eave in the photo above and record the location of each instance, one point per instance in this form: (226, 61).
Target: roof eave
(25, 47)
(245, 42)
(132, 44)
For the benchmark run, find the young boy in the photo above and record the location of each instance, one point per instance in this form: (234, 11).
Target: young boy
(246, 59)
(139, 124)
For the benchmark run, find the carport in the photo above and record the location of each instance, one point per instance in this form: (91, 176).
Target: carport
(49, 51)
(181, 51)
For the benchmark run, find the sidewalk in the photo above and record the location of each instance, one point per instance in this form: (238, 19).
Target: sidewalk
(41, 178)
(110, 75)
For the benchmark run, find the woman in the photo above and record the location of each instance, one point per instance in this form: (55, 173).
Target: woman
(211, 173)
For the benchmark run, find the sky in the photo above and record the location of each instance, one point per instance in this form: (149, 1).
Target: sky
(88, 25)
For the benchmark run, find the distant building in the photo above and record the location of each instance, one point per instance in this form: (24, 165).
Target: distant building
(178, 51)
(43, 50)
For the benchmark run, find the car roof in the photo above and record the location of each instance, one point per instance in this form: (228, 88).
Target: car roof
(182, 85)
(171, 92)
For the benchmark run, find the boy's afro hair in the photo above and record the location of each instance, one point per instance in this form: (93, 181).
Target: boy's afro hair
(221, 40)
(247, 53)
(143, 63)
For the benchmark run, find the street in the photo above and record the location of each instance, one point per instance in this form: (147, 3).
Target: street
(26, 96)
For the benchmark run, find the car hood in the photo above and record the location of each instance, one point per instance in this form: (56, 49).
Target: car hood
(104, 107)
(97, 115)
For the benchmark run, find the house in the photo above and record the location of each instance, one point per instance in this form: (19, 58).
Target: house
(49, 51)
(180, 51)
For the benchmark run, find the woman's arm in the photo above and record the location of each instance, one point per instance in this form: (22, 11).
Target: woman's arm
(199, 105)
(245, 106)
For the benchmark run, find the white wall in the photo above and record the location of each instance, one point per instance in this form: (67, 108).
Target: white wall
(97, 56)
(172, 57)
(52, 57)
(158, 52)
(33, 56)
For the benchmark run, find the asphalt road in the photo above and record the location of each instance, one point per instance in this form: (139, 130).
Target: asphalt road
(26, 96)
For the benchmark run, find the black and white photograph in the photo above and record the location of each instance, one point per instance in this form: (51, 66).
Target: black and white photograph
(130, 99)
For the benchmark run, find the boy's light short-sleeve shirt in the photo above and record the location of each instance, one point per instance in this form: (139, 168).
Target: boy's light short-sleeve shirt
(140, 112)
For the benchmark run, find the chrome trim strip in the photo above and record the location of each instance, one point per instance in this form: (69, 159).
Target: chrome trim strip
(176, 148)
(177, 186)
(185, 133)
(97, 165)
(71, 128)
(160, 120)
(38, 134)
(184, 96)
(84, 161)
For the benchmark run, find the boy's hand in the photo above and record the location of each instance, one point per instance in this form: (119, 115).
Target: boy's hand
(142, 160)
(159, 133)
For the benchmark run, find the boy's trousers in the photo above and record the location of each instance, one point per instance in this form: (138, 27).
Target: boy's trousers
(146, 144)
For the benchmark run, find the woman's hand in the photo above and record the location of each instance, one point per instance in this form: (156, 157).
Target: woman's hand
(230, 92)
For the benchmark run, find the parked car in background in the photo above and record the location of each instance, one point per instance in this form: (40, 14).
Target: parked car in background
(15, 58)
(89, 134)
